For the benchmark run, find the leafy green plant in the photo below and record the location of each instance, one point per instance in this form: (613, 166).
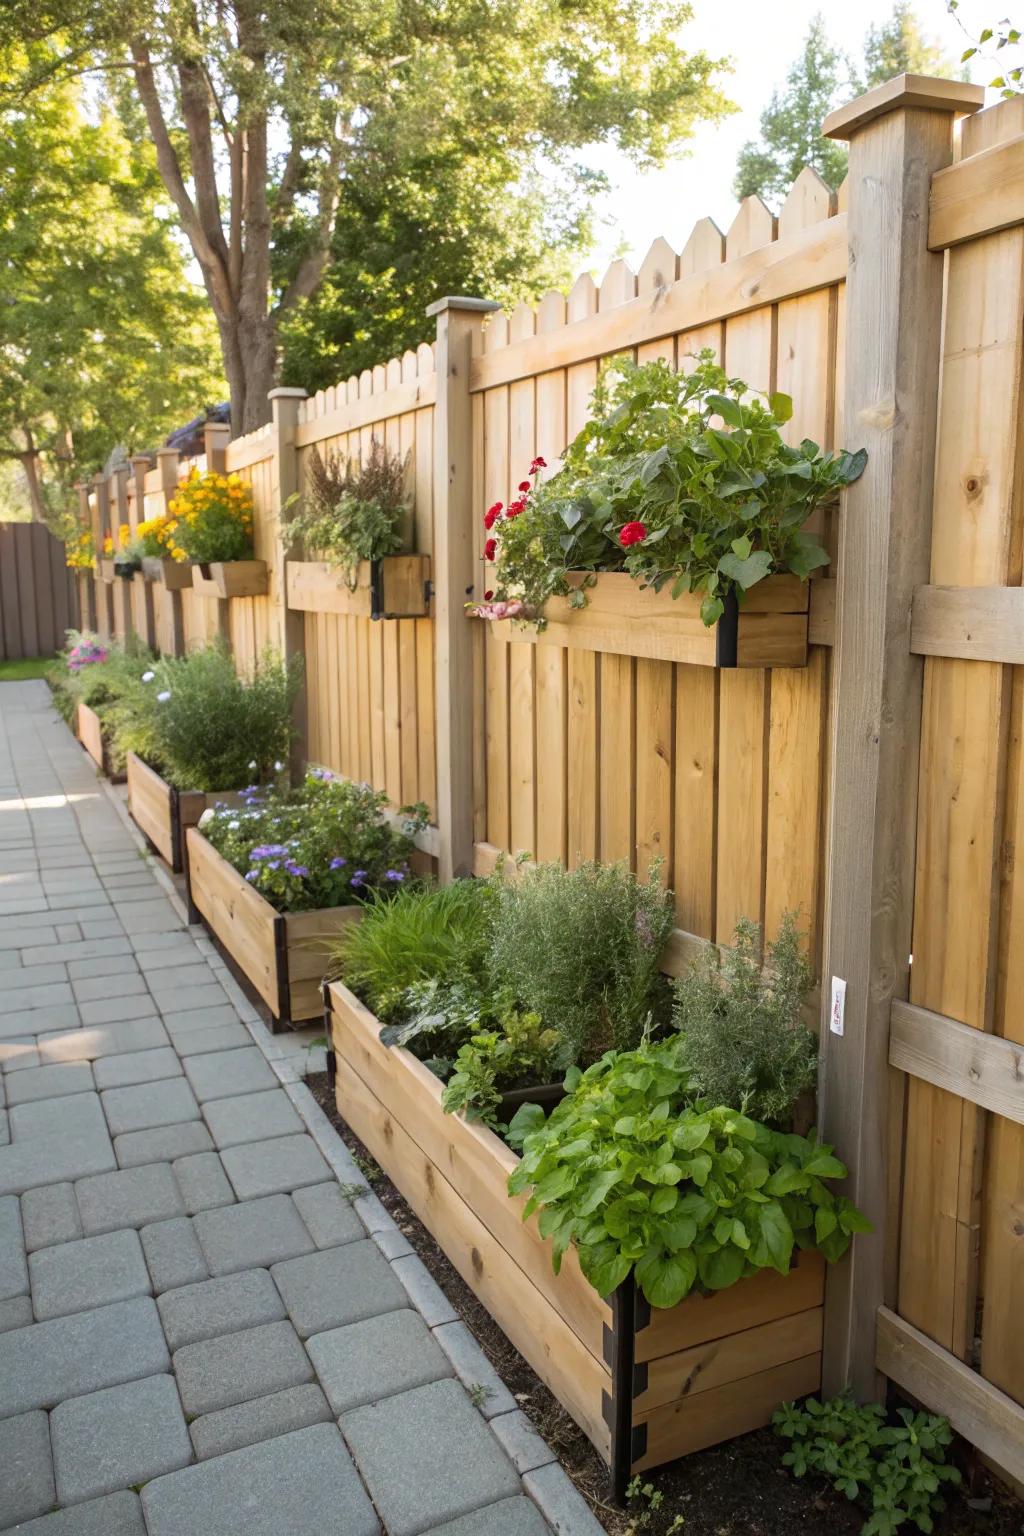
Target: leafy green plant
(689, 1196)
(204, 727)
(746, 1042)
(352, 513)
(896, 1470)
(582, 949)
(521, 1050)
(679, 479)
(106, 677)
(437, 1016)
(325, 844)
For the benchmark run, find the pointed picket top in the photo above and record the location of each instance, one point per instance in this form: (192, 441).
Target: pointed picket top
(393, 372)
(496, 331)
(618, 285)
(551, 312)
(409, 365)
(582, 300)
(705, 248)
(522, 322)
(843, 195)
(753, 226)
(424, 359)
(658, 270)
(809, 201)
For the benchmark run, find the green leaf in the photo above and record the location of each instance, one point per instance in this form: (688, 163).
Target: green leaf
(742, 546)
(746, 572)
(730, 410)
(666, 1278)
(596, 1190)
(663, 1200)
(824, 1223)
(781, 406)
(777, 1235)
(722, 1268)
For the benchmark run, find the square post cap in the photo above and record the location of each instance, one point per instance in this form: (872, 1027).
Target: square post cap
(957, 97)
(288, 392)
(462, 301)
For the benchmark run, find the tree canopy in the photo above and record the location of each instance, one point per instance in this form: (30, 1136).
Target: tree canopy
(103, 340)
(277, 123)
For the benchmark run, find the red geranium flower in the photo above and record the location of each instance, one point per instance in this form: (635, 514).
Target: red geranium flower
(490, 549)
(488, 595)
(515, 507)
(538, 464)
(632, 533)
(524, 485)
(491, 515)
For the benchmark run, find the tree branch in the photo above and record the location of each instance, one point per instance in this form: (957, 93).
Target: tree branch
(195, 109)
(311, 269)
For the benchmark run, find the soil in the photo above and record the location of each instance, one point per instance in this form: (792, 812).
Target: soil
(736, 1489)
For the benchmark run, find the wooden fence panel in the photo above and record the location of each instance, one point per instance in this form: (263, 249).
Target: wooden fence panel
(38, 594)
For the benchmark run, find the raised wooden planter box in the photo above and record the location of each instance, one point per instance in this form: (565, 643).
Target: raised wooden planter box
(621, 617)
(396, 587)
(174, 575)
(280, 953)
(645, 1385)
(164, 814)
(89, 730)
(230, 578)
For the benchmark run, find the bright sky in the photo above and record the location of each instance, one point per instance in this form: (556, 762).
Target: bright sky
(762, 39)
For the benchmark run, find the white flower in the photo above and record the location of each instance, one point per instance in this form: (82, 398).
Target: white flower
(208, 815)
(254, 765)
(147, 677)
(164, 696)
(278, 767)
(233, 826)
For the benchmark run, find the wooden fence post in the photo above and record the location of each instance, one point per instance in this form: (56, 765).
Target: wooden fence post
(167, 464)
(217, 435)
(454, 576)
(284, 403)
(124, 619)
(899, 133)
(140, 464)
(100, 531)
(87, 578)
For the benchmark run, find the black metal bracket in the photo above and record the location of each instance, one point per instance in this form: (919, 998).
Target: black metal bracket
(377, 589)
(623, 1453)
(727, 633)
(176, 848)
(332, 1057)
(284, 991)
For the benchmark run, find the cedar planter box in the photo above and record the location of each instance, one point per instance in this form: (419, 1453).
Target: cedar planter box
(769, 630)
(281, 954)
(89, 731)
(230, 578)
(174, 575)
(164, 814)
(396, 587)
(645, 1385)
(105, 566)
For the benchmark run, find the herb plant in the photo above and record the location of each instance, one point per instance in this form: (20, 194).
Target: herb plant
(582, 949)
(679, 479)
(688, 1195)
(746, 1042)
(325, 844)
(352, 513)
(896, 1470)
(518, 1052)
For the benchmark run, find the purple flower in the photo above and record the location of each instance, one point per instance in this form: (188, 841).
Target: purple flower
(359, 878)
(274, 864)
(252, 874)
(339, 862)
(296, 869)
(394, 874)
(267, 851)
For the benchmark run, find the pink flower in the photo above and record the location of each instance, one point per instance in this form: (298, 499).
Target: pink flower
(632, 533)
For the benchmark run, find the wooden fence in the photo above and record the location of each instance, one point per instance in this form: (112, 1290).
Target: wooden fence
(38, 595)
(877, 790)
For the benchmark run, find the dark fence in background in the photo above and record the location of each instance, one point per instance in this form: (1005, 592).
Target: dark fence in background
(38, 597)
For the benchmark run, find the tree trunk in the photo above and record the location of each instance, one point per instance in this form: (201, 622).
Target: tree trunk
(249, 352)
(30, 465)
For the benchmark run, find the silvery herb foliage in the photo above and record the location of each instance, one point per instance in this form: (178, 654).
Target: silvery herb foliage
(691, 1196)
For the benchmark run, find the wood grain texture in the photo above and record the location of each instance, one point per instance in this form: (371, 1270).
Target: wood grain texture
(980, 195)
(973, 623)
(969, 1063)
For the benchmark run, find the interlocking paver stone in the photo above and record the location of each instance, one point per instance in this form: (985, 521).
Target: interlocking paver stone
(173, 1254)
(303, 1483)
(271, 1167)
(512, 1517)
(50, 1215)
(109, 1010)
(103, 1040)
(255, 1233)
(328, 1215)
(337, 1286)
(368, 1361)
(91, 989)
(80, 1114)
(136, 1067)
(238, 1366)
(221, 1074)
(25, 1164)
(216, 1037)
(73, 1277)
(119, 1514)
(26, 1468)
(214, 1434)
(162, 1145)
(42, 1365)
(226, 1304)
(149, 1105)
(13, 1268)
(427, 1456)
(203, 1182)
(118, 1437)
(131, 1197)
(71, 1077)
(252, 1117)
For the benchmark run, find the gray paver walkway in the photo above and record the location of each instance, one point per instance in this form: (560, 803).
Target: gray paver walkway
(201, 1334)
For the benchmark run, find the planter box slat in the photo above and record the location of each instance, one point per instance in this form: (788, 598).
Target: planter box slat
(174, 575)
(624, 619)
(280, 953)
(230, 578)
(89, 730)
(163, 813)
(688, 1377)
(316, 587)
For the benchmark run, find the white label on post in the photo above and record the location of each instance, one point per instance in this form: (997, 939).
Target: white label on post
(835, 1023)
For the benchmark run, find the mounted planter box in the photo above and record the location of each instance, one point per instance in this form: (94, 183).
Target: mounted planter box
(89, 730)
(174, 575)
(164, 814)
(280, 953)
(621, 617)
(396, 587)
(230, 578)
(645, 1385)
(105, 566)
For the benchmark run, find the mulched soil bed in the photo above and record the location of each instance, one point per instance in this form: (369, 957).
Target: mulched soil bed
(738, 1489)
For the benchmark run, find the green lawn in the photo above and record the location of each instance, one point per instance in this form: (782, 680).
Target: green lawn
(20, 671)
